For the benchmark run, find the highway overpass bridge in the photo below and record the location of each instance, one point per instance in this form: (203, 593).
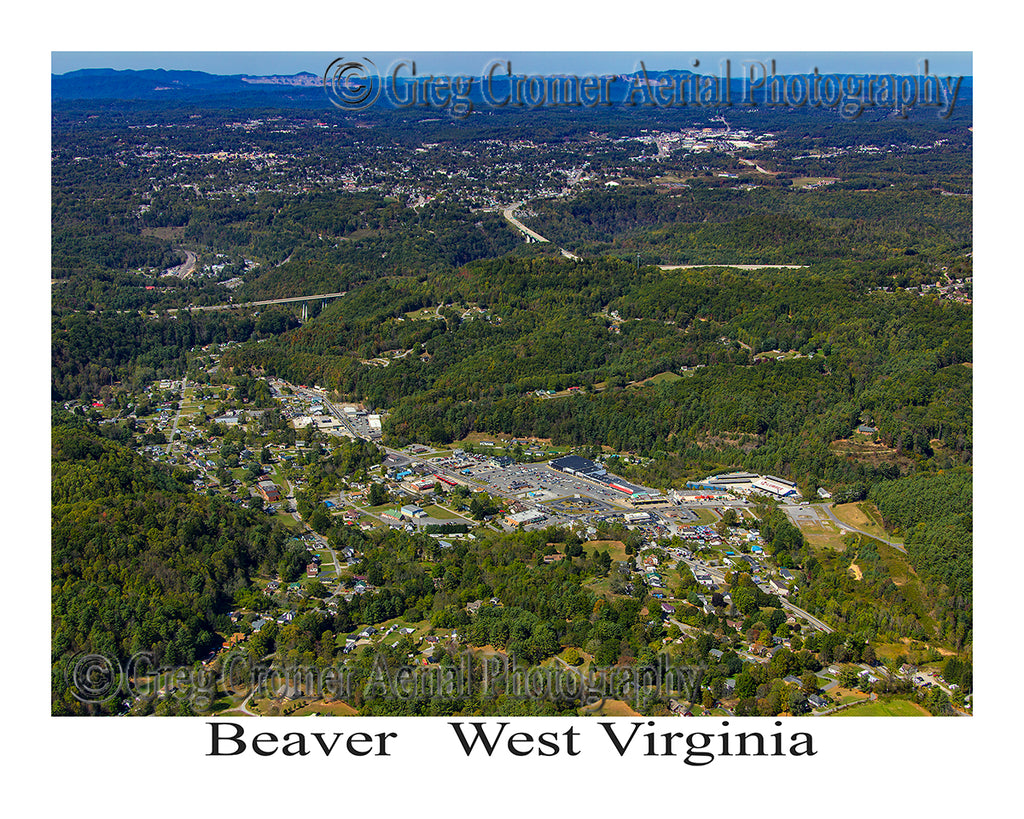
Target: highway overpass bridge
(241, 305)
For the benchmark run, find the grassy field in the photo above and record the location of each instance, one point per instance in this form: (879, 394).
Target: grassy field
(845, 696)
(441, 513)
(376, 510)
(903, 575)
(285, 519)
(615, 548)
(660, 378)
(602, 587)
(335, 709)
(705, 517)
(422, 314)
(821, 533)
(864, 516)
(885, 708)
(608, 708)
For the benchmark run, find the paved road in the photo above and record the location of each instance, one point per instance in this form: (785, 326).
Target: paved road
(305, 528)
(718, 575)
(810, 618)
(847, 528)
(177, 415)
(244, 707)
(187, 267)
(265, 302)
(757, 167)
(509, 214)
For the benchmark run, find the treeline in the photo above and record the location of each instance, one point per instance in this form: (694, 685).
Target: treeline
(89, 352)
(140, 563)
(867, 606)
(708, 225)
(934, 513)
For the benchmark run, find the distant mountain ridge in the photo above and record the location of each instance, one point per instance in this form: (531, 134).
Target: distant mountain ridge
(306, 88)
(152, 83)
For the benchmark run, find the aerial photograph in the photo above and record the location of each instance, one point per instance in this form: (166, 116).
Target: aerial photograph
(512, 384)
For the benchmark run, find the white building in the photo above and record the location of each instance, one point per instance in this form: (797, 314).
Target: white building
(776, 487)
(527, 516)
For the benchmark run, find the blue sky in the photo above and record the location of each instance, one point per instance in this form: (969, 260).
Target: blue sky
(956, 63)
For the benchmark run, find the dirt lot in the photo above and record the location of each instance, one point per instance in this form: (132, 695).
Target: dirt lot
(747, 442)
(334, 708)
(821, 533)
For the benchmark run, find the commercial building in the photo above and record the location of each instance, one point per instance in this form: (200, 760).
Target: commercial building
(580, 467)
(422, 484)
(777, 487)
(527, 516)
(742, 483)
(647, 498)
(595, 473)
(269, 491)
(413, 511)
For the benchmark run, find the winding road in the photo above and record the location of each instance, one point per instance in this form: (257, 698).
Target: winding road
(847, 528)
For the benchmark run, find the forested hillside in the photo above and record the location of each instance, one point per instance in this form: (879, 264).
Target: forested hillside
(547, 324)
(934, 513)
(906, 231)
(140, 561)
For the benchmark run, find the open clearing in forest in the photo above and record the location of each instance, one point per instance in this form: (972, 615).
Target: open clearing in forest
(862, 449)
(821, 533)
(616, 548)
(864, 516)
(660, 378)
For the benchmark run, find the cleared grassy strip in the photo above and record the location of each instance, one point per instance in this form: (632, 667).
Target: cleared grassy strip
(884, 708)
(864, 516)
(440, 513)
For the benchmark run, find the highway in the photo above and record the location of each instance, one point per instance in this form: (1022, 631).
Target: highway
(265, 302)
(187, 267)
(509, 214)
